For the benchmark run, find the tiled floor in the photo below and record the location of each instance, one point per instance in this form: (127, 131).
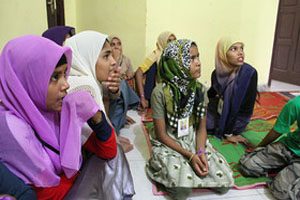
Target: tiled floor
(279, 86)
(138, 156)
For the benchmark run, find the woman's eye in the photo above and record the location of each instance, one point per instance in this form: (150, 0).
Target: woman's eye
(54, 77)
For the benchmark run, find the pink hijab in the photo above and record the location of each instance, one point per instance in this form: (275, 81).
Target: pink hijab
(38, 145)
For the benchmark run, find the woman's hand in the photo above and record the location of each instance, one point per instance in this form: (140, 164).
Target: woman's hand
(237, 139)
(97, 118)
(144, 103)
(200, 165)
(113, 81)
(129, 75)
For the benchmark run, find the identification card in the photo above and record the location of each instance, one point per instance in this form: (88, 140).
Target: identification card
(220, 106)
(183, 127)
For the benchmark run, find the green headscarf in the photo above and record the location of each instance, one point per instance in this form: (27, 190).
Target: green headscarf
(184, 95)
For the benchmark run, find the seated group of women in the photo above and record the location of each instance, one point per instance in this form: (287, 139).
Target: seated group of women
(61, 105)
(182, 157)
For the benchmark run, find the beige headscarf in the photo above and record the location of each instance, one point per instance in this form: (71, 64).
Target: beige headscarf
(122, 60)
(86, 47)
(223, 68)
(161, 43)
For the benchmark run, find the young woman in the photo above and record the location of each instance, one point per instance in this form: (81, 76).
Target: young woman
(41, 124)
(122, 60)
(182, 158)
(232, 93)
(94, 70)
(128, 99)
(149, 66)
(59, 34)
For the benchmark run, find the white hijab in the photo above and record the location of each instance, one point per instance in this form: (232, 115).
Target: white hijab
(86, 47)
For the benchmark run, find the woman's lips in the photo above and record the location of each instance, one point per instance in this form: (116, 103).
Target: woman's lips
(241, 59)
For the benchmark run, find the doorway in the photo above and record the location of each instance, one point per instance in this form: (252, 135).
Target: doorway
(55, 13)
(285, 65)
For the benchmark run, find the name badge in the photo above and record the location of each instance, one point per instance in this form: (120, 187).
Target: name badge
(183, 127)
(220, 106)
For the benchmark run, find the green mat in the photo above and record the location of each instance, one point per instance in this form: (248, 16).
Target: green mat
(255, 132)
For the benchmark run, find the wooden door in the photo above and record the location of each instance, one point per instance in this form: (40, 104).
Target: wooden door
(285, 64)
(55, 12)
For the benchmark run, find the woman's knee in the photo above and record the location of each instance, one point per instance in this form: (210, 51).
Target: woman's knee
(278, 189)
(248, 167)
(286, 185)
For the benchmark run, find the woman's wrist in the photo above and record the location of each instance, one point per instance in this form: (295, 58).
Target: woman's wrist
(201, 151)
(97, 118)
(191, 157)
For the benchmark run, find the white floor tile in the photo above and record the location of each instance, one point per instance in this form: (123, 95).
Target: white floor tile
(136, 135)
(281, 86)
(265, 193)
(143, 187)
(295, 93)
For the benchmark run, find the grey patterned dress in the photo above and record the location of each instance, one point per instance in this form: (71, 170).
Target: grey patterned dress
(171, 169)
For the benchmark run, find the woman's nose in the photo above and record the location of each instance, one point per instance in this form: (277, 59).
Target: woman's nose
(113, 61)
(65, 85)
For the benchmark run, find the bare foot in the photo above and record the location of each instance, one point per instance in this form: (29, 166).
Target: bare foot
(123, 139)
(129, 120)
(125, 144)
(126, 147)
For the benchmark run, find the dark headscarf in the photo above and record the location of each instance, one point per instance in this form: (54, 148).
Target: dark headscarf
(58, 33)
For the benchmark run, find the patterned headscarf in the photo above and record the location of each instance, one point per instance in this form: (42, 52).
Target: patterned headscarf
(184, 95)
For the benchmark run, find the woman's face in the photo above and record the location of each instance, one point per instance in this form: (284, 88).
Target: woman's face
(57, 89)
(195, 68)
(235, 55)
(116, 46)
(105, 63)
(171, 38)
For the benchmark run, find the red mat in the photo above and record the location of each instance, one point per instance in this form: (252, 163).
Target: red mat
(147, 115)
(269, 105)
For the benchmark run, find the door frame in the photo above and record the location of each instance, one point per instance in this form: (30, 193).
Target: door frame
(55, 13)
(275, 42)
